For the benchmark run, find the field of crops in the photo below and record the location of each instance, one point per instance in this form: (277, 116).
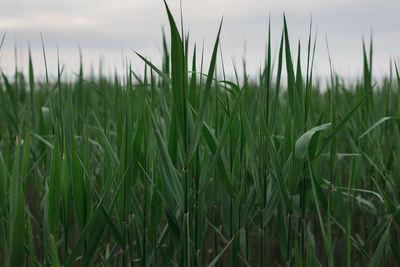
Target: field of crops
(179, 166)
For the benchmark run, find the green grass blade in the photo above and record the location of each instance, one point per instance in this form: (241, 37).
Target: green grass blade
(376, 124)
(17, 245)
(379, 252)
(205, 100)
(54, 191)
(174, 187)
(54, 253)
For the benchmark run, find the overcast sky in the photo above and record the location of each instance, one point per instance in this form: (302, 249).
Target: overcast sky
(111, 30)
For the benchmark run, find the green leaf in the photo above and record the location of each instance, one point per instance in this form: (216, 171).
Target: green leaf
(54, 254)
(205, 100)
(302, 144)
(216, 259)
(157, 70)
(54, 191)
(211, 142)
(32, 257)
(342, 123)
(94, 221)
(379, 252)
(376, 124)
(17, 246)
(174, 187)
(178, 73)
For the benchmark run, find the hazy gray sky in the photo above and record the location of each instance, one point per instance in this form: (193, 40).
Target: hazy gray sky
(111, 29)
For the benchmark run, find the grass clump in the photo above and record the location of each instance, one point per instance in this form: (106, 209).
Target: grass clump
(174, 168)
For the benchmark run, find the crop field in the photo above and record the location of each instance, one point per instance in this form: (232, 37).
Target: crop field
(181, 166)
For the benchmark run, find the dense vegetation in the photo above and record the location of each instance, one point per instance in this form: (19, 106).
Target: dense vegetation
(181, 167)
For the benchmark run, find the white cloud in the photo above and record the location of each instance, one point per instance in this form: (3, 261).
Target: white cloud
(47, 22)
